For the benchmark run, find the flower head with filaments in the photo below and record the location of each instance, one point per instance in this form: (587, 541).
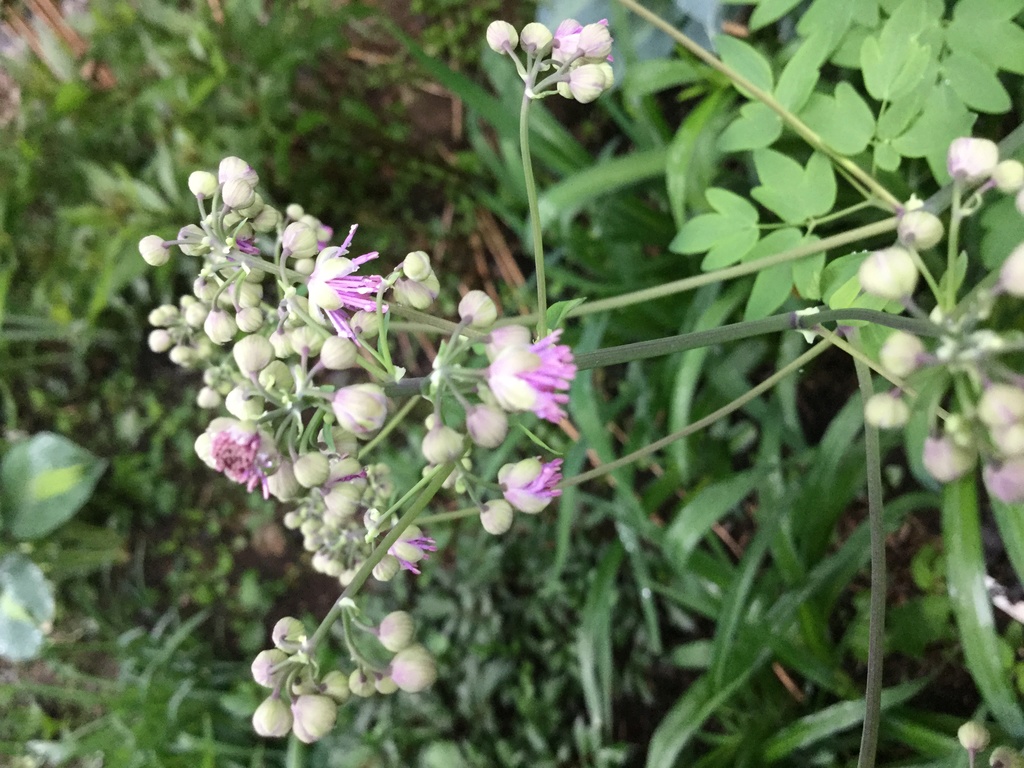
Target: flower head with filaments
(533, 377)
(239, 454)
(529, 485)
(336, 292)
(412, 547)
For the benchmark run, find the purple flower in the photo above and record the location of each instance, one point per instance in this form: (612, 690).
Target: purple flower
(529, 485)
(411, 547)
(566, 41)
(532, 377)
(240, 454)
(246, 245)
(1005, 481)
(336, 291)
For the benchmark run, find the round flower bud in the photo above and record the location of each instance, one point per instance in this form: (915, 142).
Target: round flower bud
(901, 354)
(249, 320)
(502, 37)
(299, 241)
(244, 295)
(360, 684)
(396, 631)
(1005, 481)
(294, 212)
(311, 469)
(276, 376)
(973, 736)
(282, 485)
(202, 184)
(385, 685)
(335, 685)
(253, 209)
(267, 667)
(243, 405)
(496, 517)
(886, 411)
(343, 500)
(288, 634)
(595, 41)
(413, 669)
(282, 346)
(252, 354)
(164, 315)
(314, 717)
(919, 230)
(1004, 757)
(160, 340)
(196, 241)
(536, 39)
(889, 273)
(360, 409)
(588, 81)
(305, 341)
(416, 266)
(487, 425)
(386, 569)
(945, 460)
(236, 168)
(1001, 405)
(266, 220)
(365, 324)
(195, 314)
(478, 310)
(272, 717)
(208, 398)
(183, 355)
(1008, 176)
(414, 294)
(220, 326)
(442, 444)
(204, 289)
(153, 250)
(338, 353)
(304, 266)
(238, 193)
(971, 159)
(1009, 440)
(1011, 274)
(1018, 202)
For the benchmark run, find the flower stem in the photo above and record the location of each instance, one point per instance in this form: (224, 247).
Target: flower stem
(876, 625)
(698, 425)
(444, 517)
(389, 427)
(531, 196)
(952, 248)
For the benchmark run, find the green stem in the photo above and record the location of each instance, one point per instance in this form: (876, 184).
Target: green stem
(698, 425)
(952, 247)
(876, 625)
(444, 517)
(531, 196)
(797, 125)
(437, 478)
(390, 426)
(422, 318)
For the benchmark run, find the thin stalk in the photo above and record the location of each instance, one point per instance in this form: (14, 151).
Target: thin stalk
(797, 125)
(531, 197)
(437, 478)
(698, 425)
(876, 625)
(952, 248)
(445, 517)
(390, 426)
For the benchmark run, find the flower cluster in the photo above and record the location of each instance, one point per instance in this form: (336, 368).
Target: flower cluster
(572, 61)
(976, 405)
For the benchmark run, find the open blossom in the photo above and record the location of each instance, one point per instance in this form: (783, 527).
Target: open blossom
(532, 377)
(529, 485)
(241, 454)
(411, 547)
(337, 292)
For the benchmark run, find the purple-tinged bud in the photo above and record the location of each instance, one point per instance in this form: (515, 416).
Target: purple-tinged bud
(595, 41)
(945, 460)
(282, 485)
(361, 685)
(889, 273)
(288, 634)
(487, 425)
(971, 159)
(202, 184)
(886, 410)
(1005, 481)
(268, 667)
(160, 340)
(220, 326)
(478, 309)
(272, 718)
(587, 82)
(245, 295)
(396, 631)
(502, 37)
(238, 194)
(529, 485)
(311, 470)
(196, 243)
(306, 340)
(442, 444)
(1004, 757)
(418, 295)
(387, 568)
(249, 320)
(902, 353)
(416, 266)
(507, 336)
(314, 717)
(335, 685)
(919, 230)
(973, 736)
(204, 290)
(496, 517)
(209, 398)
(365, 324)
(1009, 440)
(1011, 274)
(252, 354)
(536, 38)
(565, 45)
(153, 250)
(1008, 176)
(299, 241)
(1001, 405)
(413, 669)
(360, 408)
(338, 353)
(236, 168)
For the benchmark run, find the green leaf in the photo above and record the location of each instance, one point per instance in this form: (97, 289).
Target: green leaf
(943, 119)
(46, 479)
(840, 287)
(755, 127)
(644, 78)
(26, 605)
(985, 28)
(1010, 519)
(801, 74)
(807, 273)
(770, 10)
(975, 82)
(965, 564)
(682, 149)
(793, 193)
(726, 235)
(885, 157)
(844, 120)
(594, 643)
(747, 61)
(773, 285)
(559, 311)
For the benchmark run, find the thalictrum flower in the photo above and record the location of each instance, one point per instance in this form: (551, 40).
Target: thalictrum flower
(533, 377)
(241, 455)
(529, 485)
(334, 290)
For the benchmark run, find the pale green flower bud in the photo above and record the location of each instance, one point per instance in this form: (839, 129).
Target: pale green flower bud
(282, 346)
(209, 398)
(595, 41)
(360, 684)
(442, 444)
(385, 685)
(338, 353)
(536, 39)
(195, 314)
(272, 717)
(299, 241)
(304, 266)
(889, 273)
(311, 469)
(971, 159)
(160, 340)
(396, 631)
(238, 193)
(496, 517)
(267, 220)
(220, 326)
(153, 250)
(252, 210)
(416, 266)
(164, 315)
(335, 685)
(314, 717)
(413, 669)
(386, 569)
(294, 212)
(1004, 757)
(276, 376)
(418, 295)
(282, 484)
(902, 353)
(249, 320)
(288, 634)
(202, 184)
(502, 37)
(236, 168)
(243, 405)
(342, 500)
(183, 355)
(1011, 274)
(305, 340)
(361, 408)
(268, 667)
(886, 411)
(1009, 440)
(252, 354)
(365, 324)
(198, 242)
(487, 425)
(588, 81)
(973, 736)
(945, 460)
(920, 230)
(478, 309)
(1008, 176)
